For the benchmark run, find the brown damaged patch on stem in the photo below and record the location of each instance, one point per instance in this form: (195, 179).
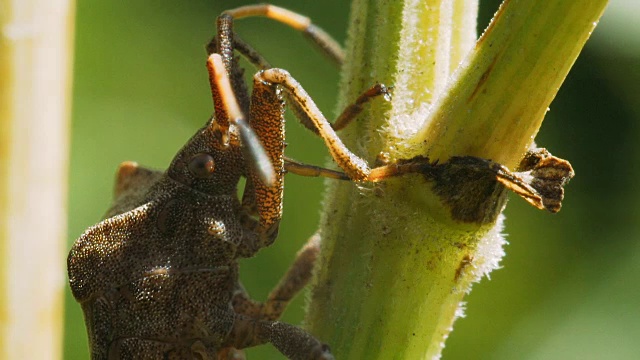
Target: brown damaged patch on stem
(474, 189)
(468, 186)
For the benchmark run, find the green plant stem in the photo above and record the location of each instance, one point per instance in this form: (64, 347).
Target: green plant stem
(496, 104)
(36, 47)
(395, 265)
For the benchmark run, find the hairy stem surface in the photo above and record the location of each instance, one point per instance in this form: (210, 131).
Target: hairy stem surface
(395, 265)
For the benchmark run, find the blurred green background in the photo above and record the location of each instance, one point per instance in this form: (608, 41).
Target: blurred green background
(570, 286)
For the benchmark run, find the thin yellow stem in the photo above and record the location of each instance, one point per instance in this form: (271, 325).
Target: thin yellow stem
(36, 47)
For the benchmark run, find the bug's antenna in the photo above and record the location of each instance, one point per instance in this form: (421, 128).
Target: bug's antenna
(251, 146)
(319, 37)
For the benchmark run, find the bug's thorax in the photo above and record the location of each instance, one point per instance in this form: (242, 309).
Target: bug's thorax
(197, 224)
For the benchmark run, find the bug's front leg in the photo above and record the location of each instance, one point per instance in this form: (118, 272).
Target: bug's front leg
(262, 144)
(266, 118)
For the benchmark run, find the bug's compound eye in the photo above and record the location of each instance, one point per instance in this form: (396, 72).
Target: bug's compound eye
(202, 166)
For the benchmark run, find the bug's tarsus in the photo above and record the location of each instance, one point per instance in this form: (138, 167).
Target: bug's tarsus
(354, 109)
(328, 46)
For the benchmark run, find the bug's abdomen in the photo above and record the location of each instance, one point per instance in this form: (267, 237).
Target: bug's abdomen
(165, 314)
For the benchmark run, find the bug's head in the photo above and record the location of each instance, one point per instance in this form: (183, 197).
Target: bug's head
(209, 164)
(225, 148)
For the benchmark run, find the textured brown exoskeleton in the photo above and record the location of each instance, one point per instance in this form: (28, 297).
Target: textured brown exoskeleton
(158, 278)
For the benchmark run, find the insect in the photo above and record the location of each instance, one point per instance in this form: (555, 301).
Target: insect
(158, 278)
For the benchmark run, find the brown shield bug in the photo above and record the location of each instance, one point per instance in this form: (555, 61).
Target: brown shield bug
(158, 277)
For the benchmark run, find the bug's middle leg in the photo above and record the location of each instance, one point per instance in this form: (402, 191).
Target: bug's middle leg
(267, 81)
(355, 168)
(295, 279)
